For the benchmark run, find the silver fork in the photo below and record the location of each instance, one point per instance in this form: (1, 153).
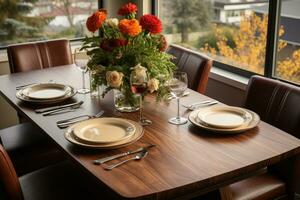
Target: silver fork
(67, 122)
(138, 156)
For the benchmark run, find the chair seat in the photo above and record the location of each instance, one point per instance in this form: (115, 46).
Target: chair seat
(29, 148)
(261, 187)
(62, 181)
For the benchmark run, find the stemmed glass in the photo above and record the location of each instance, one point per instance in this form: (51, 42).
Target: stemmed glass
(138, 84)
(178, 85)
(81, 64)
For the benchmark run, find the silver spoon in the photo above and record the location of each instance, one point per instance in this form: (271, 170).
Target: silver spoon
(138, 156)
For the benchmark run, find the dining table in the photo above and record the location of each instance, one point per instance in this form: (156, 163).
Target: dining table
(187, 161)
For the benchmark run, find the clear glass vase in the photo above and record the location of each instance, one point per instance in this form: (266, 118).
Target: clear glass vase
(125, 101)
(96, 90)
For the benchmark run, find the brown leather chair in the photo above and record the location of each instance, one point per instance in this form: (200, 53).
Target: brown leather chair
(28, 147)
(277, 103)
(38, 55)
(62, 181)
(196, 65)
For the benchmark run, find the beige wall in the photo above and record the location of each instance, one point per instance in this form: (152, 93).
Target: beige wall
(225, 93)
(8, 116)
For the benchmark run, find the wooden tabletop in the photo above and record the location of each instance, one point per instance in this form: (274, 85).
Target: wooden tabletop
(186, 159)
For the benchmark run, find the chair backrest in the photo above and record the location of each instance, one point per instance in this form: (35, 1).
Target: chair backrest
(195, 64)
(38, 55)
(9, 182)
(277, 103)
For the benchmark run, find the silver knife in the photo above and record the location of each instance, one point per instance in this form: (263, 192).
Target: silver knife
(23, 86)
(109, 158)
(61, 110)
(42, 110)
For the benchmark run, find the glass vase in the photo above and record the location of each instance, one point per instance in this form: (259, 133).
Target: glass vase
(126, 101)
(96, 90)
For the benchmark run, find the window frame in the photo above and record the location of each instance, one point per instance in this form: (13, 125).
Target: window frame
(271, 46)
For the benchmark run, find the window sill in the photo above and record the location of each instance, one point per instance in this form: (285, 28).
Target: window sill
(229, 78)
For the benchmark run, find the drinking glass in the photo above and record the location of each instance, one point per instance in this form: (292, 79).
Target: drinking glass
(81, 64)
(138, 84)
(178, 85)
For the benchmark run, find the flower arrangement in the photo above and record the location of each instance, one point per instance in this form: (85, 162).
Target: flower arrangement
(124, 46)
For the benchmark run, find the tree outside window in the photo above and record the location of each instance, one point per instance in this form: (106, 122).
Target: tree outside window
(32, 20)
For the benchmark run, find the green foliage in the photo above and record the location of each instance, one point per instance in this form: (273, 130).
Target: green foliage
(190, 15)
(211, 39)
(15, 25)
(142, 49)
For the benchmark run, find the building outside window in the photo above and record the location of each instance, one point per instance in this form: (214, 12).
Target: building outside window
(33, 20)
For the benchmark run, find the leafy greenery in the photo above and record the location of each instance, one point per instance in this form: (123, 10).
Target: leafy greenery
(211, 40)
(189, 15)
(15, 25)
(142, 49)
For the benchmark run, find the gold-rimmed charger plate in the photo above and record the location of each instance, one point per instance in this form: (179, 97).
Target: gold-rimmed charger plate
(103, 130)
(225, 117)
(46, 91)
(193, 118)
(22, 97)
(139, 131)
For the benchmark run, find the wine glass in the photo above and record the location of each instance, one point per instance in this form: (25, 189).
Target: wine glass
(178, 85)
(138, 84)
(81, 64)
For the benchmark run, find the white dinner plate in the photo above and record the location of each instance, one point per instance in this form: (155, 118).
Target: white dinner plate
(22, 97)
(104, 130)
(138, 133)
(224, 116)
(193, 118)
(45, 91)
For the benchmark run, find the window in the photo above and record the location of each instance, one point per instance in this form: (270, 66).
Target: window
(32, 20)
(233, 33)
(288, 50)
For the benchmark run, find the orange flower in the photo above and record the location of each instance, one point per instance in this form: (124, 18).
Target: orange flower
(130, 27)
(95, 21)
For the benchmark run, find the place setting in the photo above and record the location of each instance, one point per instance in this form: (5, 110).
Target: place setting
(105, 133)
(224, 119)
(45, 93)
(95, 131)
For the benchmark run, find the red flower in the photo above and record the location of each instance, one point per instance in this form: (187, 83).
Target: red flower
(151, 24)
(127, 9)
(95, 21)
(111, 44)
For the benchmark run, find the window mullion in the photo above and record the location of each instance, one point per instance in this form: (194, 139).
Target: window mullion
(272, 37)
(100, 4)
(154, 7)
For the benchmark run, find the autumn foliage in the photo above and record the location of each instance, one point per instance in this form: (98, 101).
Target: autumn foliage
(249, 49)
